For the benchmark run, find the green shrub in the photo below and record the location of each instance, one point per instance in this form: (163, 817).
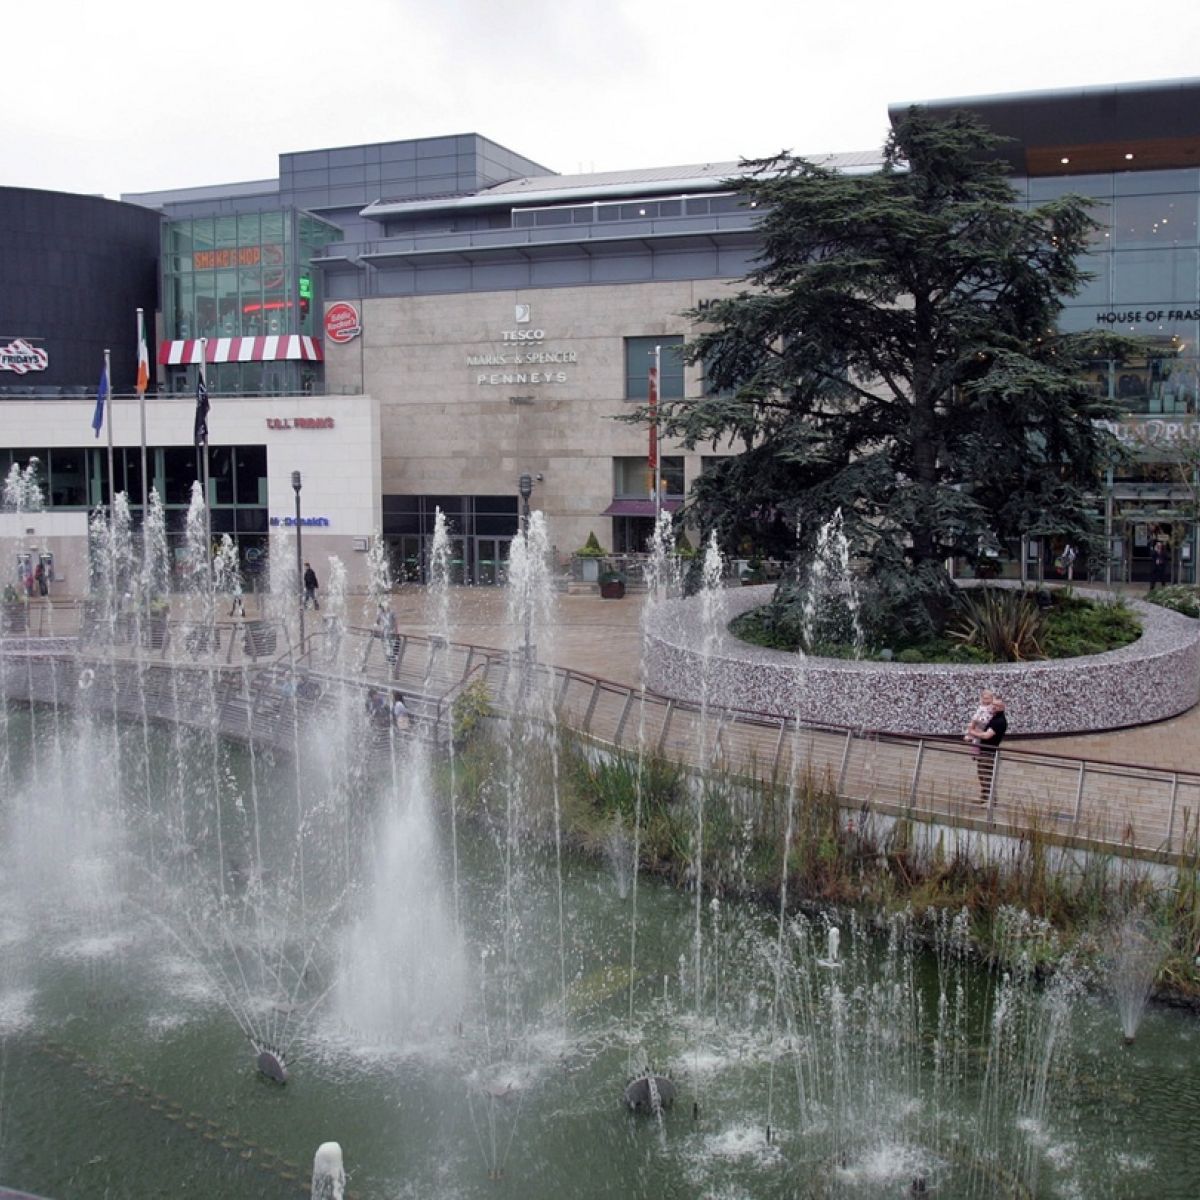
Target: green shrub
(992, 625)
(1076, 626)
(1179, 597)
(472, 706)
(1007, 624)
(591, 548)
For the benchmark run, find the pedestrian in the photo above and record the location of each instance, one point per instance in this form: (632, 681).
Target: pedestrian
(1160, 564)
(39, 575)
(391, 639)
(400, 714)
(238, 607)
(990, 737)
(979, 718)
(310, 587)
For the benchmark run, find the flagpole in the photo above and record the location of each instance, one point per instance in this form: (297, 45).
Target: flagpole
(142, 414)
(112, 479)
(204, 462)
(654, 434)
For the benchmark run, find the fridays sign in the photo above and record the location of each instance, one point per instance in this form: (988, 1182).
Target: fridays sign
(19, 357)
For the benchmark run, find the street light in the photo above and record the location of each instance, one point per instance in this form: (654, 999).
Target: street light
(525, 488)
(299, 555)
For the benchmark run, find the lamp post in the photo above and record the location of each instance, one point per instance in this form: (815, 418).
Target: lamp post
(299, 555)
(525, 488)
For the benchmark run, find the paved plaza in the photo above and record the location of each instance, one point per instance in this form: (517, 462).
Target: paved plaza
(603, 638)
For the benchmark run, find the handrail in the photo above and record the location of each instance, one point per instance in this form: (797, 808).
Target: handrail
(1121, 807)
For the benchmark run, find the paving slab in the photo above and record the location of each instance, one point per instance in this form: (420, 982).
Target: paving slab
(603, 638)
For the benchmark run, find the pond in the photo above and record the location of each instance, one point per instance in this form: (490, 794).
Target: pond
(463, 1014)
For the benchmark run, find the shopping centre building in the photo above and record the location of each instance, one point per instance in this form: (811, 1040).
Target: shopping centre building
(414, 324)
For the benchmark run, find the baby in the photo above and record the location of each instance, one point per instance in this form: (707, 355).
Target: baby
(980, 717)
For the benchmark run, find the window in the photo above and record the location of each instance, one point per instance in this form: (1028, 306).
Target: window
(1154, 222)
(631, 477)
(251, 465)
(639, 358)
(68, 479)
(1159, 276)
(181, 468)
(709, 388)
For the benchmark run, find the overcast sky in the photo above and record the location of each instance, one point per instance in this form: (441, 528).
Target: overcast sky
(108, 98)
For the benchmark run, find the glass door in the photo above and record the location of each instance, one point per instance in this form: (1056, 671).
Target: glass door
(491, 560)
(407, 558)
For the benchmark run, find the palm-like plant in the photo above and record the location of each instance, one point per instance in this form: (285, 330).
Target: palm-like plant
(1005, 623)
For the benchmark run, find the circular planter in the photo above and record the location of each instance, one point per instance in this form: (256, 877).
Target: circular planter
(1153, 678)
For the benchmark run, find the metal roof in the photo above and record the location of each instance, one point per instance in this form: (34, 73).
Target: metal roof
(600, 185)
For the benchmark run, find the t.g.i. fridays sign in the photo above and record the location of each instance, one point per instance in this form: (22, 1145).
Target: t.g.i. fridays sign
(19, 356)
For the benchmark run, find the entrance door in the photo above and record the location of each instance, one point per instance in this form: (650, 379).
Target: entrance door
(408, 559)
(1140, 537)
(631, 535)
(491, 560)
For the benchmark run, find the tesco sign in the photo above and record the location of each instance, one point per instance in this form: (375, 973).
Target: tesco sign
(342, 322)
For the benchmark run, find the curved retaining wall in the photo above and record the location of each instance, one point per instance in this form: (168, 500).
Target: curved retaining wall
(1155, 677)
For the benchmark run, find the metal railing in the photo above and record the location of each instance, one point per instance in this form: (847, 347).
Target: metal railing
(1123, 808)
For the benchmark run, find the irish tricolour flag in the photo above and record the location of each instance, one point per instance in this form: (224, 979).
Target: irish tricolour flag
(143, 357)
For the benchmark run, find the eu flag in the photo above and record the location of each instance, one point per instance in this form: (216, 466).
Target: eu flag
(101, 397)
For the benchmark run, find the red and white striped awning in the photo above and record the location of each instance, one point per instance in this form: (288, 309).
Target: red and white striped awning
(186, 352)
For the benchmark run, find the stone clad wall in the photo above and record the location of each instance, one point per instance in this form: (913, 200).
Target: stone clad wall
(1155, 677)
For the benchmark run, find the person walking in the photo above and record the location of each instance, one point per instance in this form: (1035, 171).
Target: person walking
(310, 587)
(1160, 564)
(990, 737)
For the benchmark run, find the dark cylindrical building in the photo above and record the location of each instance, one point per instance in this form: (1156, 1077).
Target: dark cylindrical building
(73, 272)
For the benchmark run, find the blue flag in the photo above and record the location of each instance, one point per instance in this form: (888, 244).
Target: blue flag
(101, 397)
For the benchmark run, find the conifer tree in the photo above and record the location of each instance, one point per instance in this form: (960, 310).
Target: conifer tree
(895, 355)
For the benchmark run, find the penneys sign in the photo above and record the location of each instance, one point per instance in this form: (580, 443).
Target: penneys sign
(19, 356)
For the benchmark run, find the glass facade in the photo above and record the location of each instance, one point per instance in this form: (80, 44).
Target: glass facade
(248, 275)
(1145, 268)
(1144, 263)
(604, 211)
(77, 478)
(480, 528)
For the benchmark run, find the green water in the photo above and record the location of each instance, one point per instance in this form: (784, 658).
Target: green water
(123, 1071)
